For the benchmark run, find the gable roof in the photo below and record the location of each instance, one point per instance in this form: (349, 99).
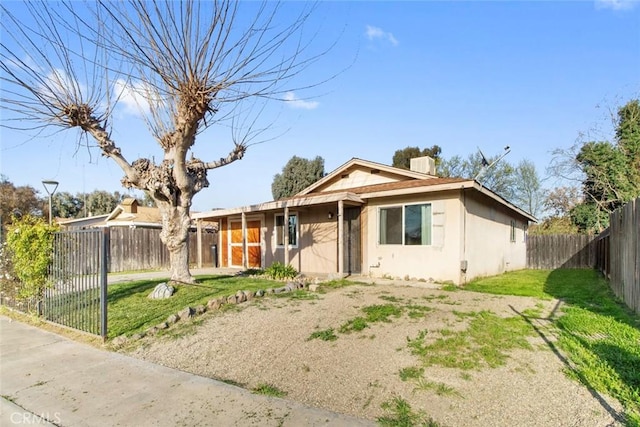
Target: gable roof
(409, 182)
(400, 174)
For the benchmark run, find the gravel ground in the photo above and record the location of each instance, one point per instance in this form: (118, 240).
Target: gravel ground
(266, 341)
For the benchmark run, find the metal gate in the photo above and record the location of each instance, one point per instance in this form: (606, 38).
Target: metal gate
(352, 244)
(77, 297)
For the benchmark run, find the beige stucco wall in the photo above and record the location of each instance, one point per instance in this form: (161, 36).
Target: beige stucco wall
(439, 261)
(317, 241)
(488, 246)
(464, 226)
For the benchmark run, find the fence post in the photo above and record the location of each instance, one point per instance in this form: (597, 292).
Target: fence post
(103, 282)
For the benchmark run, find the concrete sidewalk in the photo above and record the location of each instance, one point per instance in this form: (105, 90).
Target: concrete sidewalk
(46, 377)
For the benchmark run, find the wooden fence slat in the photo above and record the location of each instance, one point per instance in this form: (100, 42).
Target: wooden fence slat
(619, 254)
(140, 248)
(549, 252)
(615, 252)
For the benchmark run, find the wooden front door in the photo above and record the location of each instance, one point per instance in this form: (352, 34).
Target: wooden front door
(254, 248)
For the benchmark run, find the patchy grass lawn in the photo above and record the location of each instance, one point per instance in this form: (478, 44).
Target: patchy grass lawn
(599, 335)
(130, 310)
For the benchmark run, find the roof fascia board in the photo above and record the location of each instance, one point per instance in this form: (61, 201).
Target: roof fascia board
(281, 204)
(503, 201)
(87, 218)
(117, 211)
(421, 189)
(452, 186)
(132, 224)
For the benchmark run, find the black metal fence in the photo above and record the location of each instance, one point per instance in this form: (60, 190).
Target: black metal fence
(77, 296)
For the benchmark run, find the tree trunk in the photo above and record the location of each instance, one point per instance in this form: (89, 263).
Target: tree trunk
(175, 235)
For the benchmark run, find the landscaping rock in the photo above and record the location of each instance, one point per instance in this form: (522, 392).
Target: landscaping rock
(138, 336)
(248, 295)
(163, 325)
(290, 286)
(201, 309)
(232, 299)
(314, 288)
(213, 304)
(240, 297)
(260, 293)
(173, 319)
(162, 291)
(270, 291)
(186, 313)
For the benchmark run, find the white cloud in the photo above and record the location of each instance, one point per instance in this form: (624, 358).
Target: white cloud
(133, 97)
(59, 85)
(616, 4)
(375, 33)
(294, 102)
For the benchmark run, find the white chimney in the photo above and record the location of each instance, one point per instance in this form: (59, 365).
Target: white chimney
(424, 165)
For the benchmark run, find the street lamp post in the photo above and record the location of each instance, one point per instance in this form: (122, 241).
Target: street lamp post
(48, 184)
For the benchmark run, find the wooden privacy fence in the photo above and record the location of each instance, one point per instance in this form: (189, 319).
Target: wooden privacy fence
(561, 251)
(141, 248)
(620, 254)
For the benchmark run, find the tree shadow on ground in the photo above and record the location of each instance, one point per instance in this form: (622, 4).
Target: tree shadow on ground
(587, 289)
(600, 329)
(550, 341)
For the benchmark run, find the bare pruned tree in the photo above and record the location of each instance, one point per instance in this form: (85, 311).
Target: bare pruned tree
(188, 64)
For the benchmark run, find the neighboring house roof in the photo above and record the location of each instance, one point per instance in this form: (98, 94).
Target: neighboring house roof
(129, 213)
(126, 214)
(406, 182)
(90, 221)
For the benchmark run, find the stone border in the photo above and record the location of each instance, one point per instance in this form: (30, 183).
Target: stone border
(213, 305)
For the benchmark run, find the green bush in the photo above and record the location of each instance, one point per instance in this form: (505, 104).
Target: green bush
(279, 271)
(30, 247)
(9, 284)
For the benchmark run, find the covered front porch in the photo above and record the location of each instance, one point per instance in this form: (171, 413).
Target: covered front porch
(319, 234)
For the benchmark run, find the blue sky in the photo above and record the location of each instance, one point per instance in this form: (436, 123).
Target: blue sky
(531, 75)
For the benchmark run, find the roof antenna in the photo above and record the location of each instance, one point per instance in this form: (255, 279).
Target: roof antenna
(485, 163)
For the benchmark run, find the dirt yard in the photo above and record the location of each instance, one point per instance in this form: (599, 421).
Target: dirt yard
(268, 341)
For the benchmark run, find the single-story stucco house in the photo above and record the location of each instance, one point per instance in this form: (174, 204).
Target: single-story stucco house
(370, 219)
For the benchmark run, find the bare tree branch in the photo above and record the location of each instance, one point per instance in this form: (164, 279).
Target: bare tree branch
(188, 65)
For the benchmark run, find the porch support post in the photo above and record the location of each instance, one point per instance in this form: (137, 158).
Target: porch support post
(245, 251)
(340, 238)
(286, 235)
(199, 241)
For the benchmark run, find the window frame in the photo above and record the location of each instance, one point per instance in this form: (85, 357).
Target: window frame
(512, 232)
(296, 230)
(403, 215)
